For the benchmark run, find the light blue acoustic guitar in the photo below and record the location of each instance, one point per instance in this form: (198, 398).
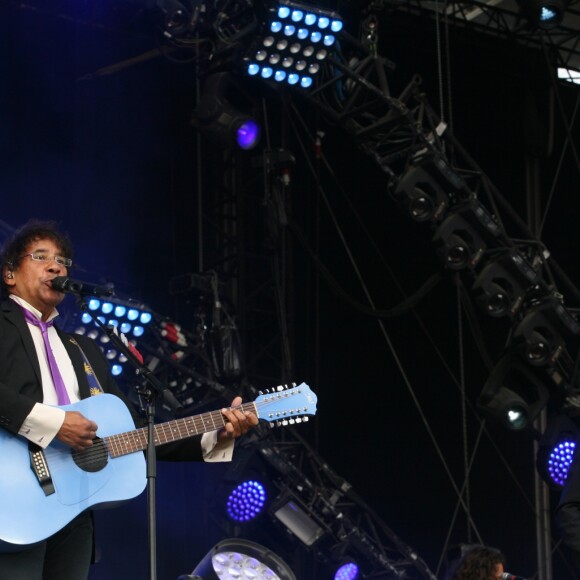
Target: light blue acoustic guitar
(42, 491)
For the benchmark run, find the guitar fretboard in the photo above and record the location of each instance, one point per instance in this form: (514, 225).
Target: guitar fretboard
(131, 441)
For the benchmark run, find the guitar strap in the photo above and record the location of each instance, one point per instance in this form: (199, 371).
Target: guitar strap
(94, 385)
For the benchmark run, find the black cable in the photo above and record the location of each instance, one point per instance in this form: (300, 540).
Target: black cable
(401, 308)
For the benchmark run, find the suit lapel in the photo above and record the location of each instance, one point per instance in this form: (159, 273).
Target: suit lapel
(78, 363)
(14, 315)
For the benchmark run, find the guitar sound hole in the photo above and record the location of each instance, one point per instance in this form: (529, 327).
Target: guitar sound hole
(92, 459)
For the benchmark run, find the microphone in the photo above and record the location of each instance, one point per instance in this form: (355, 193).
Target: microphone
(72, 286)
(508, 576)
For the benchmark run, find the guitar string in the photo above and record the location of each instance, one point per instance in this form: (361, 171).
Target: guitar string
(94, 454)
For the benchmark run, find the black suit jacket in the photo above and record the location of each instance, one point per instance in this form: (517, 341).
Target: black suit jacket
(21, 387)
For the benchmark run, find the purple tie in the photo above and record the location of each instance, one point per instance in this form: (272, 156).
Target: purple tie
(61, 393)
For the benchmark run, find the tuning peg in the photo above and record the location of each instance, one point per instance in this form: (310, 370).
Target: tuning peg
(305, 419)
(298, 419)
(260, 392)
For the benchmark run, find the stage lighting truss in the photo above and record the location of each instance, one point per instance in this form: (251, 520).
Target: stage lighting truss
(504, 282)
(426, 188)
(208, 27)
(182, 360)
(463, 237)
(240, 559)
(544, 330)
(514, 393)
(307, 501)
(294, 42)
(556, 450)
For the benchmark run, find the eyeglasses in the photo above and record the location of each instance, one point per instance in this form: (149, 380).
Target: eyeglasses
(47, 258)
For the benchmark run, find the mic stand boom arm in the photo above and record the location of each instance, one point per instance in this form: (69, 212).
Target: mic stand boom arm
(155, 389)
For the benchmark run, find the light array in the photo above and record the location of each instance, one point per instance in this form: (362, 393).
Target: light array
(348, 571)
(246, 501)
(237, 566)
(129, 320)
(238, 559)
(296, 40)
(560, 460)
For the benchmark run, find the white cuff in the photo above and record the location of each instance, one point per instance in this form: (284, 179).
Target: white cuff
(214, 452)
(42, 424)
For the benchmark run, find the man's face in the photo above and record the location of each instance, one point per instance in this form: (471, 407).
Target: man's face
(31, 278)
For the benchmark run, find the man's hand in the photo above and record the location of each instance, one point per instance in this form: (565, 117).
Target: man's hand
(238, 422)
(77, 431)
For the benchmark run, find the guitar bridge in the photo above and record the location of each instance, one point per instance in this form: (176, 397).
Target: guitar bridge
(40, 468)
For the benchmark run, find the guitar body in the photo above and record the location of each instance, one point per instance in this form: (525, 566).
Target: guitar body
(27, 515)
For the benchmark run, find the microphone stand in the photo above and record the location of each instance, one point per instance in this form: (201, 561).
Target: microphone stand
(155, 389)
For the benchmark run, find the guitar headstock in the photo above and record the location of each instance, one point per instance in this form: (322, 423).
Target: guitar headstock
(286, 406)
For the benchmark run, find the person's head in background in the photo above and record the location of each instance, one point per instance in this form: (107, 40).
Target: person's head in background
(478, 563)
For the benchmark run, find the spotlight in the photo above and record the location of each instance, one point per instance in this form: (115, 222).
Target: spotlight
(541, 335)
(570, 75)
(556, 450)
(502, 284)
(544, 14)
(514, 393)
(217, 119)
(347, 571)
(424, 189)
(239, 559)
(246, 501)
(463, 236)
(179, 18)
(294, 40)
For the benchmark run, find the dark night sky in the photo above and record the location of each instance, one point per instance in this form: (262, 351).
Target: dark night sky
(112, 158)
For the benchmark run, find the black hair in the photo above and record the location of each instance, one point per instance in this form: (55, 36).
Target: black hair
(15, 247)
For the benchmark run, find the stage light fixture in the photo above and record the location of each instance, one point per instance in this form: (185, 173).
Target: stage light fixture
(246, 501)
(462, 237)
(347, 571)
(425, 188)
(514, 393)
(556, 450)
(570, 75)
(503, 283)
(218, 120)
(544, 14)
(298, 521)
(120, 314)
(295, 39)
(542, 333)
(238, 559)
(179, 17)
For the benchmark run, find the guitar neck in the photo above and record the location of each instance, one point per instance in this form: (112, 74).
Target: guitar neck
(132, 441)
